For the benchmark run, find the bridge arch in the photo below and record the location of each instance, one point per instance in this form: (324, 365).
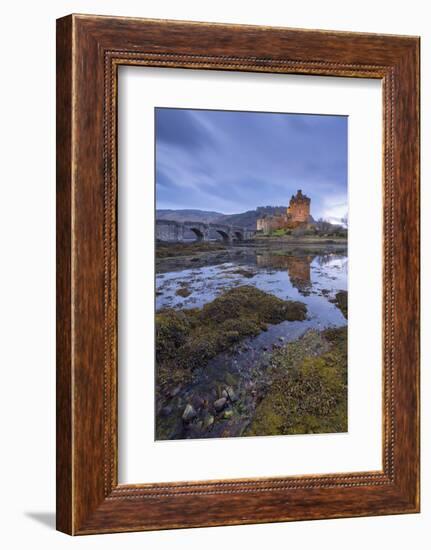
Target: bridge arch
(198, 233)
(224, 235)
(238, 235)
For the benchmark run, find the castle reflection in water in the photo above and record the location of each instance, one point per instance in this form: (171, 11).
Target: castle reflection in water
(298, 267)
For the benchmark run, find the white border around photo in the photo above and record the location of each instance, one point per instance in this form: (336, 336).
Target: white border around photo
(141, 458)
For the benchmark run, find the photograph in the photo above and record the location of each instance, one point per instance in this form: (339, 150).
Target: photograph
(213, 317)
(251, 273)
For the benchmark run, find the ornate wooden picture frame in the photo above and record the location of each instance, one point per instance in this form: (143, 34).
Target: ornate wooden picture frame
(89, 51)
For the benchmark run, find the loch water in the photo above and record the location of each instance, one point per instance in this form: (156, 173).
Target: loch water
(312, 275)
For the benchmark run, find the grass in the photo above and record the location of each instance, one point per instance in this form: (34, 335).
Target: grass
(281, 232)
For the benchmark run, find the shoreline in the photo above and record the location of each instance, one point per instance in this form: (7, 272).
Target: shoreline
(179, 256)
(302, 240)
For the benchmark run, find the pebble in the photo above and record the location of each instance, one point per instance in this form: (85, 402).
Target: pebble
(208, 421)
(231, 394)
(220, 403)
(228, 414)
(189, 413)
(197, 402)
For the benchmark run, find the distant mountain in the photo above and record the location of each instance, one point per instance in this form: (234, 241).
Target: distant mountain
(245, 219)
(249, 218)
(188, 215)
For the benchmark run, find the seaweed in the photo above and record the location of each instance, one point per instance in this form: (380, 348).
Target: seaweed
(188, 339)
(309, 389)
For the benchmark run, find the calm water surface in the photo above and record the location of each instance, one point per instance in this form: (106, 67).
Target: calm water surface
(291, 274)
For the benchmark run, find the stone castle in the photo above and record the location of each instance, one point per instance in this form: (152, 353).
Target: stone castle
(297, 214)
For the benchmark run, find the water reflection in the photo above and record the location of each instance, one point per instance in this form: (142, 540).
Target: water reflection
(312, 276)
(298, 268)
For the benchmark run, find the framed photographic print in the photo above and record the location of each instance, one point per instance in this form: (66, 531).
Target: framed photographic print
(237, 274)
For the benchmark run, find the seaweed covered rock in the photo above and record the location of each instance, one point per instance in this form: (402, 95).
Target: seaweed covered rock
(183, 291)
(341, 301)
(249, 302)
(188, 339)
(309, 390)
(172, 328)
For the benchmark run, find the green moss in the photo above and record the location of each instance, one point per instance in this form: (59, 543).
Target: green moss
(187, 339)
(309, 391)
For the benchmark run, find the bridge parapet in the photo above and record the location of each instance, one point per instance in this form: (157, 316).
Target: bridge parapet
(173, 231)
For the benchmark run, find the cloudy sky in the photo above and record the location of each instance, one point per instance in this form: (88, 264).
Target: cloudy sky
(231, 161)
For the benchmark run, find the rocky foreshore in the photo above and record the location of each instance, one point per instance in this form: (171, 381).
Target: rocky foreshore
(204, 391)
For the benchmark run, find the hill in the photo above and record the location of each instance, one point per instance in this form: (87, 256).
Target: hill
(188, 215)
(249, 218)
(245, 219)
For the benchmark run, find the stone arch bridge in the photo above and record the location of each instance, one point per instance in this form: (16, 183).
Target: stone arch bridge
(172, 231)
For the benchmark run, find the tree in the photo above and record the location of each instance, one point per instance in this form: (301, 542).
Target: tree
(323, 226)
(344, 220)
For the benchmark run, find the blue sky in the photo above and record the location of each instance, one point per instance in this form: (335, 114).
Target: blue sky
(233, 161)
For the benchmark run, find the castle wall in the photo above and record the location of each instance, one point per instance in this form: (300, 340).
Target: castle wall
(271, 223)
(260, 224)
(299, 208)
(300, 212)
(297, 213)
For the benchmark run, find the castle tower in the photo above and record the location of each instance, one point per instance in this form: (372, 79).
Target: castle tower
(299, 208)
